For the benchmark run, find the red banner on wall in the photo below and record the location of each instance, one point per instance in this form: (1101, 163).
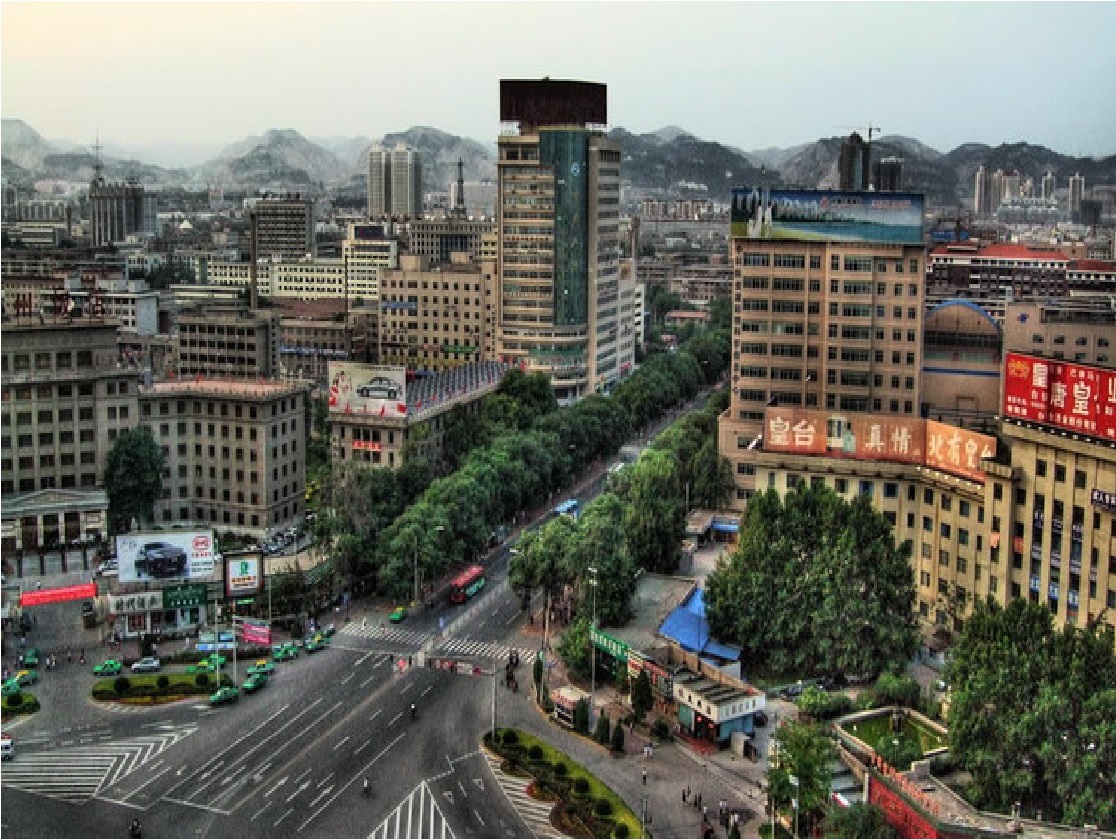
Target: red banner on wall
(1077, 398)
(904, 817)
(78, 592)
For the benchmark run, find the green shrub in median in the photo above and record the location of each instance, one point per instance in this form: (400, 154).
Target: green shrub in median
(602, 807)
(122, 685)
(150, 687)
(617, 740)
(23, 703)
(604, 730)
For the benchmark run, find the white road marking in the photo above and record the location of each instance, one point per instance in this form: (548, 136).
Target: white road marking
(478, 816)
(391, 723)
(375, 715)
(347, 679)
(325, 779)
(360, 774)
(362, 746)
(341, 743)
(318, 798)
(301, 788)
(426, 691)
(278, 785)
(258, 813)
(286, 814)
(460, 785)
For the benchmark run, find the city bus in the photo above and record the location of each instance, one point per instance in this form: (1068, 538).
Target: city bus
(466, 585)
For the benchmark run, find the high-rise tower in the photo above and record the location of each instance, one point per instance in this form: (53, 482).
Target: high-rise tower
(1048, 184)
(394, 182)
(558, 230)
(1076, 193)
(854, 163)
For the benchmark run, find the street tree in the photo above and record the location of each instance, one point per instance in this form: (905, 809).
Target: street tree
(1032, 713)
(599, 543)
(805, 754)
(858, 820)
(574, 647)
(816, 585)
(133, 478)
(655, 518)
(642, 701)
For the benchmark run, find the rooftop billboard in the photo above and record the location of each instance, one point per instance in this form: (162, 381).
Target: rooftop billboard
(356, 388)
(827, 215)
(1069, 396)
(164, 555)
(877, 437)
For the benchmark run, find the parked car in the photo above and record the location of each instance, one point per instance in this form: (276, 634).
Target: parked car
(161, 560)
(108, 668)
(328, 630)
(31, 658)
(149, 664)
(7, 747)
(397, 615)
(312, 644)
(11, 687)
(225, 694)
(379, 387)
(262, 666)
(109, 567)
(254, 683)
(27, 676)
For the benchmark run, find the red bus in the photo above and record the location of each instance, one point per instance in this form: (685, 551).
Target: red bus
(466, 585)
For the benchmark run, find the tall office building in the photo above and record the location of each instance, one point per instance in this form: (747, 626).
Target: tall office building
(828, 301)
(996, 195)
(1048, 184)
(889, 174)
(115, 210)
(982, 192)
(284, 227)
(394, 182)
(1012, 185)
(558, 230)
(854, 163)
(1076, 193)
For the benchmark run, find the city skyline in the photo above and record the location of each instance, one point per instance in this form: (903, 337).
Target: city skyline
(180, 73)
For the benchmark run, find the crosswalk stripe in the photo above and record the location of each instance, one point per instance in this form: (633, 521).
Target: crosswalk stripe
(534, 813)
(77, 773)
(417, 816)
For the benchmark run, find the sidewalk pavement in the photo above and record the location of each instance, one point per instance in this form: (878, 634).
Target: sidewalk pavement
(672, 766)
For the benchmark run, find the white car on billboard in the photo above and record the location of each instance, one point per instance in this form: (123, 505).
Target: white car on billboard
(379, 388)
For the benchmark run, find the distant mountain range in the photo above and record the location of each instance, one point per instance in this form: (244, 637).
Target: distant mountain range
(667, 162)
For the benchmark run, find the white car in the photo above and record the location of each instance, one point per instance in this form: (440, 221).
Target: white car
(109, 567)
(149, 664)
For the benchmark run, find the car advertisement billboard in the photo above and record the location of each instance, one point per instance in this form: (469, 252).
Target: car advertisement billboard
(877, 437)
(243, 574)
(166, 555)
(827, 215)
(1074, 397)
(356, 388)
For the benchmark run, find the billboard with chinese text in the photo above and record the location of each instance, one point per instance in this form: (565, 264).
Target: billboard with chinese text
(165, 555)
(955, 450)
(877, 437)
(839, 434)
(243, 574)
(1074, 397)
(827, 215)
(356, 388)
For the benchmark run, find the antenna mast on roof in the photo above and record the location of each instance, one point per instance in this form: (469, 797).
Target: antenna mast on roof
(97, 165)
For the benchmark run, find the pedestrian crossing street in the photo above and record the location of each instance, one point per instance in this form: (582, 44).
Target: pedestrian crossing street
(536, 814)
(77, 773)
(478, 650)
(417, 816)
(447, 645)
(396, 635)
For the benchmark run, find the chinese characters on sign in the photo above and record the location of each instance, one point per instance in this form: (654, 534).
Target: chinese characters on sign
(1077, 398)
(242, 574)
(876, 437)
(138, 603)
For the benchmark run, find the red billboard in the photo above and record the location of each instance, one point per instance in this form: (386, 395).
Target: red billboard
(78, 592)
(958, 451)
(1073, 397)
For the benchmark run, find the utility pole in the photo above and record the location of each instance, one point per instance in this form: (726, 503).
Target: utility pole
(593, 645)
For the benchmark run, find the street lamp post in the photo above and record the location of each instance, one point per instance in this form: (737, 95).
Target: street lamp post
(794, 803)
(593, 645)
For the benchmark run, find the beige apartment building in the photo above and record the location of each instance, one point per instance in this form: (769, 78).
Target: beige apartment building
(227, 342)
(438, 238)
(67, 394)
(822, 322)
(235, 450)
(436, 318)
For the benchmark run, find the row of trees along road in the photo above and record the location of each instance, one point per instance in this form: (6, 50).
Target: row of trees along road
(637, 523)
(817, 585)
(505, 461)
(1033, 714)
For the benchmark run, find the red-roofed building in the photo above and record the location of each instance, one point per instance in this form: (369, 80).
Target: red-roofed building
(986, 273)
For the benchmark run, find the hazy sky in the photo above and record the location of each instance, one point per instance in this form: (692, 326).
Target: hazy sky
(750, 75)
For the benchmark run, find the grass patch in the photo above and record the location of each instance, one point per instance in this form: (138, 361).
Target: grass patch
(145, 689)
(576, 805)
(27, 704)
(870, 731)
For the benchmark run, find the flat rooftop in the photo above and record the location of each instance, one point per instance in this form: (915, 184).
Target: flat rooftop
(252, 389)
(654, 599)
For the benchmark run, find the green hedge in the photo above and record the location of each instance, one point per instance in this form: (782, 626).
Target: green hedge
(149, 687)
(24, 703)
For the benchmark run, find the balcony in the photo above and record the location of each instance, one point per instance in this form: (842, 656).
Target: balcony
(1077, 531)
(1056, 525)
(1038, 520)
(1036, 552)
(1055, 560)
